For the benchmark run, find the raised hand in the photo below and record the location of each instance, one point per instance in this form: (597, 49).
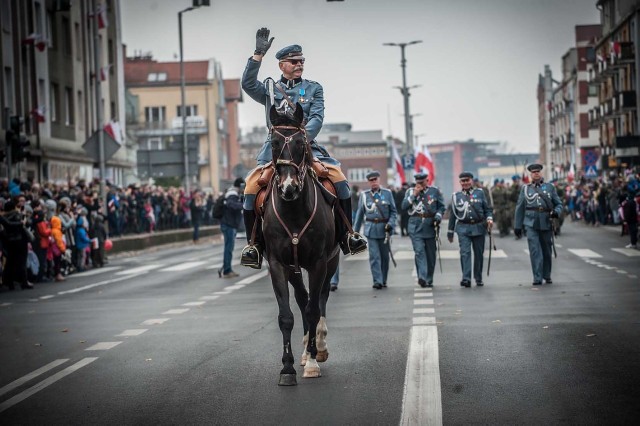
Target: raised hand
(263, 43)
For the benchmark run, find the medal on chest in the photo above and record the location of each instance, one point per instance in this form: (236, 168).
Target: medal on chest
(301, 92)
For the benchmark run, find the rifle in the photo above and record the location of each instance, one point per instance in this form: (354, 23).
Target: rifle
(387, 241)
(438, 245)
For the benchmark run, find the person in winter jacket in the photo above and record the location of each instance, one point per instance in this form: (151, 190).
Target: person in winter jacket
(99, 233)
(42, 229)
(82, 239)
(15, 240)
(58, 246)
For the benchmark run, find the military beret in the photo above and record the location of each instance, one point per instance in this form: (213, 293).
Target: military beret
(496, 181)
(290, 52)
(535, 167)
(464, 175)
(373, 174)
(421, 176)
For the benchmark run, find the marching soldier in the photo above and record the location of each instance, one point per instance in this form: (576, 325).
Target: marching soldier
(538, 204)
(468, 212)
(501, 213)
(378, 211)
(425, 206)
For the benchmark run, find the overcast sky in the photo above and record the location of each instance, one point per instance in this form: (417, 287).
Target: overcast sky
(477, 65)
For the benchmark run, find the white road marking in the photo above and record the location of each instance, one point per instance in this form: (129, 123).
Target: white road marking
(423, 302)
(194, 303)
(98, 284)
(5, 304)
(422, 399)
(155, 321)
(182, 266)
(422, 289)
(175, 311)
(24, 379)
(95, 271)
(633, 276)
(219, 265)
(620, 271)
(423, 311)
(627, 252)
(446, 254)
(527, 251)
(132, 332)
(423, 295)
(558, 245)
(253, 278)
(584, 253)
(103, 346)
(208, 297)
(424, 320)
(144, 268)
(45, 383)
(48, 296)
(231, 288)
(221, 293)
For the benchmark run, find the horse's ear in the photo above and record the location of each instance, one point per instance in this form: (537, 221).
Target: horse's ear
(299, 114)
(273, 114)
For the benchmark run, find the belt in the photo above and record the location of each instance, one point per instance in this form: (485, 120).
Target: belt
(376, 220)
(471, 222)
(424, 215)
(537, 209)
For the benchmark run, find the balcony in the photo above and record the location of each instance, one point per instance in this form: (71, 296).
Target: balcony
(196, 125)
(626, 100)
(626, 56)
(627, 148)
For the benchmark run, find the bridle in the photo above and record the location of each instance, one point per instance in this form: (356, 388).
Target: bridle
(301, 168)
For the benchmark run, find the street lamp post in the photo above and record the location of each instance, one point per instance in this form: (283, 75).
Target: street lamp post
(405, 93)
(185, 143)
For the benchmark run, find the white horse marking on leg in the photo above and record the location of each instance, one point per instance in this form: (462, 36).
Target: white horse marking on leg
(321, 334)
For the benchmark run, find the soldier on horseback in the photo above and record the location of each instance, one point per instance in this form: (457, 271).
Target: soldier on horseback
(284, 94)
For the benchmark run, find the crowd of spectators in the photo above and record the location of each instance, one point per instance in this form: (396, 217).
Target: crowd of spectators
(68, 226)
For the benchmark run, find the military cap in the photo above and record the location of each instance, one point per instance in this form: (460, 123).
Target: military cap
(515, 177)
(290, 52)
(465, 175)
(373, 174)
(535, 167)
(421, 175)
(238, 182)
(496, 181)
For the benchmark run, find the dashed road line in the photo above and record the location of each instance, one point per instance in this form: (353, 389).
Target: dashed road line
(96, 271)
(423, 311)
(98, 284)
(182, 266)
(143, 268)
(423, 295)
(423, 302)
(627, 251)
(200, 303)
(424, 320)
(155, 321)
(48, 296)
(584, 253)
(103, 346)
(209, 297)
(45, 383)
(253, 278)
(24, 379)
(132, 332)
(176, 311)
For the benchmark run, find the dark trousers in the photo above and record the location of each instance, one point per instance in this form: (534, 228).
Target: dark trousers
(467, 243)
(229, 235)
(15, 268)
(196, 231)
(633, 232)
(42, 259)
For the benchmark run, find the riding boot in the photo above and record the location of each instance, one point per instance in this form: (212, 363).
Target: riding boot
(252, 254)
(350, 243)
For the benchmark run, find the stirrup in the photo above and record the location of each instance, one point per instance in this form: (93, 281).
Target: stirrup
(353, 244)
(251, 257)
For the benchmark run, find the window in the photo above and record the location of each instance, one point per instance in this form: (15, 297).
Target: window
(112, 56)
(155, 114)
(53, 108)
(162, 76)
(5, 12)
(358, 174)
(114, 113)
(8, 88)
(152, 76)
(68, 106)
(42, 95)
(80, 104)
(66, 36)
(78, 42)
(191, 110)
(38, 16)
(52, 30)
(151, 144)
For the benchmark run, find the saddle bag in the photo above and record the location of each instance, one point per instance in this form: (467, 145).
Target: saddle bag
(266, 173)
(319, 168)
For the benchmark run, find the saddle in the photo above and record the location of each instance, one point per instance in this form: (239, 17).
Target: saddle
(266, 178)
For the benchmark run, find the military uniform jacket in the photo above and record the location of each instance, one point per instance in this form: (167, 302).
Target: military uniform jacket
(306, 92)
(468, 212)
(375, 210)
(535, 203)
(423, 208)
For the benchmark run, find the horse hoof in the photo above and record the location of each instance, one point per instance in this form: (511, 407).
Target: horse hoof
(287, 380)
(322, 356)
(311, 372)
(303, 360)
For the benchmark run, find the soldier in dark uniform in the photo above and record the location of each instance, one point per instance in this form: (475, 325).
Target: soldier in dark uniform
(425, 206)
(468, 213)
(377, 210)
(538, 204)
(501, 207)
(309, 94)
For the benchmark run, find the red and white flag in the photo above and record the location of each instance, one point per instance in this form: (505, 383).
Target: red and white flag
(103, 20)
(38, 114)
(572, 173)
(104, 72)
(113, 129)
(36, 40)
(424, 163)
(398, 165)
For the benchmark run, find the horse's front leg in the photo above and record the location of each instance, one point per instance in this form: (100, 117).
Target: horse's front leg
(285, 322)
(312, 313)
(322, 330)
(302, 298)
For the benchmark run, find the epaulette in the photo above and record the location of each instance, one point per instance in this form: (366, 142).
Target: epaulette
(314, 82)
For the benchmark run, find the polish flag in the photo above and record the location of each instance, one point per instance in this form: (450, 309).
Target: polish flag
(113, 129)
(103, 20)
(38, 113)
(104, 72)
(398, 164)
(572, 173)
(36, 40)
(424, 163)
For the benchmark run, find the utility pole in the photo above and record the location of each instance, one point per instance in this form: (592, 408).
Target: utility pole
(99, 112)
(185, 143)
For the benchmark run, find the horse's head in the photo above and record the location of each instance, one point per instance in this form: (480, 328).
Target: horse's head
(290, 151)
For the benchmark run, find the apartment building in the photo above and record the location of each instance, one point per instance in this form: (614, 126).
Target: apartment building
(48, 53)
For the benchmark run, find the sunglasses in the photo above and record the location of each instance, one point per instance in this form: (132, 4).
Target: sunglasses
(372, 179)
(295, 61)
(465, 180)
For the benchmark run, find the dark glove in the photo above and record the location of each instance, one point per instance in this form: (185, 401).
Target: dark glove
(553, 214)
(388, 228)
(518, 233)
(436, 221)
(263, 43)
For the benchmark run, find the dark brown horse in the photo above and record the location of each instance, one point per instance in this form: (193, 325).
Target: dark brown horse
(299, 233)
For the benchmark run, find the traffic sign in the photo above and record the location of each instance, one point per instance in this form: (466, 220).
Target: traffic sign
(590, 158)
(591, 172)
(408, 161)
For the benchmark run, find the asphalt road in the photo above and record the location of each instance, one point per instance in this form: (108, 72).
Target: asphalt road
(159, 339)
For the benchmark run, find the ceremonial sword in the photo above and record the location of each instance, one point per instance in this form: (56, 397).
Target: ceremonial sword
(387, 241)
(438, 245)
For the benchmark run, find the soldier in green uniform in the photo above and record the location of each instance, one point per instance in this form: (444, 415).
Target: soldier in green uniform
(501, 209)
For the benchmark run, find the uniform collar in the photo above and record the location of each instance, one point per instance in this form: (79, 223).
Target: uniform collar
(538, 183)
(290, 83)
(468, 192)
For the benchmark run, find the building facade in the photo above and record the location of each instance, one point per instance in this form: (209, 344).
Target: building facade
(48, 51)
(154, 118)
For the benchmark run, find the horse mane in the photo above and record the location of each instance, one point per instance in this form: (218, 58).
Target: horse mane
(288, 117)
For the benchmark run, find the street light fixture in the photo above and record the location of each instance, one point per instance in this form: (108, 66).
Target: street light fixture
(185, 143)
(405, 92)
